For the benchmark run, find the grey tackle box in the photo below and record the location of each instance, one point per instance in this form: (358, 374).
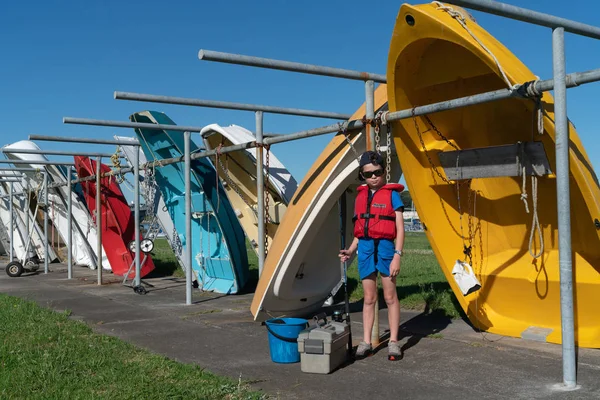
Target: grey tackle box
(323, 348)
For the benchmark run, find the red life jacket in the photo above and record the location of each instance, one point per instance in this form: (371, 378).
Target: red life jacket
(375, 219)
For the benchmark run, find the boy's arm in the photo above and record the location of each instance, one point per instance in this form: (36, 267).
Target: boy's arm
(399, 230)
(353, 245)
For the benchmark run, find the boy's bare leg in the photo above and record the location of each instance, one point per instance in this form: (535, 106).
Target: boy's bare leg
(370, 295)
(391, 299)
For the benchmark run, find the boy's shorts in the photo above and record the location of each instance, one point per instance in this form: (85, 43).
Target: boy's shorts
(370, 261)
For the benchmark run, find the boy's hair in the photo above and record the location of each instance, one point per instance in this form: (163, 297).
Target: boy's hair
(369, 157)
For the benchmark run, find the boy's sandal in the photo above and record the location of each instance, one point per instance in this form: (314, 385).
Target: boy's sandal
(363, 350)
(394, 351)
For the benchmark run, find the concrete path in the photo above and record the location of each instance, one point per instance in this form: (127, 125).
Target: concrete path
(443, 358)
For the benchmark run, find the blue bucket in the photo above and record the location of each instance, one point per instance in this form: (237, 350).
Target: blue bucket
(283, 338)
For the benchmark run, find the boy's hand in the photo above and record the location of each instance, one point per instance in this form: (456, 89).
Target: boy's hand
(395, 266)
(345, 255)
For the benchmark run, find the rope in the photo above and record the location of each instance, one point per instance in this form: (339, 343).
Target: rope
(458, 16)
(383, 116)
(521, 166)
(536, 222)
(532, 92)
(535, 225)
(115, 159)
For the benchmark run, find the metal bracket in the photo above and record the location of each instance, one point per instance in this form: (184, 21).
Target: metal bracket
(496, 161)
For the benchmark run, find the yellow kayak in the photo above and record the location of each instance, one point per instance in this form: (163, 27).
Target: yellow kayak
(438, 53)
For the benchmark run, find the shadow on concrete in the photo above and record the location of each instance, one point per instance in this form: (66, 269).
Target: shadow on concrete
(427, 324)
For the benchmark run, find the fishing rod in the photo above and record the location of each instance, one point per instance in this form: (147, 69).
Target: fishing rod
(342, 208)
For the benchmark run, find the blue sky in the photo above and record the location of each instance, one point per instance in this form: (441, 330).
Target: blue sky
(66, 58)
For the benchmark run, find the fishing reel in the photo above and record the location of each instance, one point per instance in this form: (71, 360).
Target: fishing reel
(339, 316)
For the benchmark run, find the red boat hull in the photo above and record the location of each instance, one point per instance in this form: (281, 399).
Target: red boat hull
(118, 224)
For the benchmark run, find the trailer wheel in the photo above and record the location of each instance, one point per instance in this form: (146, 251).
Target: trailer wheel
(14, 269)
(140, 290)
(32, 266)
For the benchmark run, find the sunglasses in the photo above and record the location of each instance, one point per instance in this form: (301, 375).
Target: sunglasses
(368, 174)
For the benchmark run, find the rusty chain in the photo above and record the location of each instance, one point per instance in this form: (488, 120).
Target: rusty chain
(467, 250)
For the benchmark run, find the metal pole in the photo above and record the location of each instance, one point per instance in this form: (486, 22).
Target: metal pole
(11, 224)
(134, 125)
(260, 193)
(6, 196)
(79, 140)
(17, 162)
(54, 153)
(46, 256)
(18, 169)
(70, 224)
(525, 15)
(370, 113)
(575, 79)
(251, 61)
(228, 105)
(564, 208)
(136, 207)
(99, 218)
(188, 219)
(28, 202)
(370, 136)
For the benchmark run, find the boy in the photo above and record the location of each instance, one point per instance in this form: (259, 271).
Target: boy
(378, 223)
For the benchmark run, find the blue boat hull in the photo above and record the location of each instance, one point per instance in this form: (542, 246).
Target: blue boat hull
(219, 257)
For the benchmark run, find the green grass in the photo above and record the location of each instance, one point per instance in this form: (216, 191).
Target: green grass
(164, 259)
(416, 241)
(44, 355)
(421, 282)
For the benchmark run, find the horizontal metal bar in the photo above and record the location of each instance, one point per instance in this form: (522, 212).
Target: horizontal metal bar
(10, 180)
(574, 79)
(15, 173)
(19, 169)
(55, 153)
(526, 15)
(17, 162)
(134, 125)
(228, 105)
(93, 177)
(80, 140)
(140, 125)
(251, 61)
(349, 126)
(6, 196)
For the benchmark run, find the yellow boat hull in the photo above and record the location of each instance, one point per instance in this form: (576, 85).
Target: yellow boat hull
(433, 58)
